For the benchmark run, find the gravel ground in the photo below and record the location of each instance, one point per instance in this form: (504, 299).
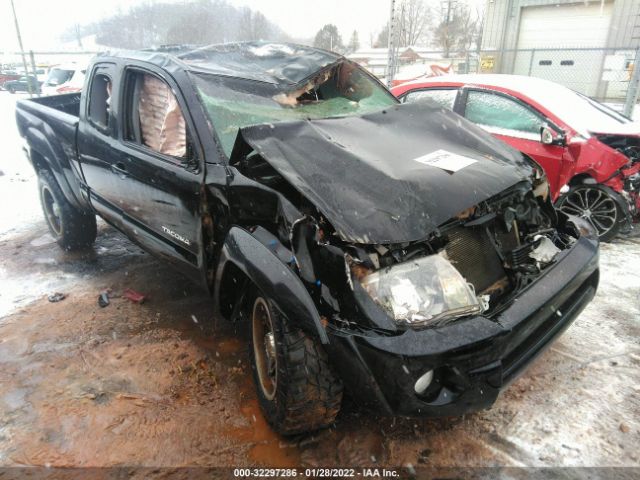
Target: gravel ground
(165, 384)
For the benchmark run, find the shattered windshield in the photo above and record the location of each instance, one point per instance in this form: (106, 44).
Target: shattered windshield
(341, 90)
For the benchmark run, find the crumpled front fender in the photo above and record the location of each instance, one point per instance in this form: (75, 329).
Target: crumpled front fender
(272, 277)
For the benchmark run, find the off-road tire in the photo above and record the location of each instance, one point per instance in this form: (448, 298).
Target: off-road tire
(72, 229)
(308, 393)
(570, 203)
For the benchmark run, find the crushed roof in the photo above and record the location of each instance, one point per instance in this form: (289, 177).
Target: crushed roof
(276, 63)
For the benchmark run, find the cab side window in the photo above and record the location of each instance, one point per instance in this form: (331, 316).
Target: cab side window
(443, 98)
(498, 111)
(100, 100)
(154, 118)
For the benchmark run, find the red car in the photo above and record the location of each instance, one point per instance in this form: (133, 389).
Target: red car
(590, 153)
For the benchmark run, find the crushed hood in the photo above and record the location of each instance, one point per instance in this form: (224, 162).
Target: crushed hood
(391, 176)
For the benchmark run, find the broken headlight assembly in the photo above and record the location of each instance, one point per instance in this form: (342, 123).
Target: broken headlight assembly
(424, 292)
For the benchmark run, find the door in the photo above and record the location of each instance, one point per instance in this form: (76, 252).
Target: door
(164, 175)
(516, 124)
(97, 138)
(152, 174)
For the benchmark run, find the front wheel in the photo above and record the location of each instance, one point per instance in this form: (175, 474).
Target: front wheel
(72, 229)
(297, 388)
(595, 204)
(11, 90)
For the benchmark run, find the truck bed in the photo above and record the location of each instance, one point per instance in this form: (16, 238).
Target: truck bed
(68, 103)
(49, 125)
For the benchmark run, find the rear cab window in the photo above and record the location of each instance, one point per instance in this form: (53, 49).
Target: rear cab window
(100, 99)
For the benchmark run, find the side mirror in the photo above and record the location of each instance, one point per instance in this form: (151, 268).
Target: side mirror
(551, 137)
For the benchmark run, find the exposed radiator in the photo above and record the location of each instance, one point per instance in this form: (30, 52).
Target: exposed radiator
(472, 253)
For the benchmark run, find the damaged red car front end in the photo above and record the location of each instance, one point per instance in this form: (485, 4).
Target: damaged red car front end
(590, 153)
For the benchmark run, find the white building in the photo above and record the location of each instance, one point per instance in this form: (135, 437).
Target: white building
(587, 45)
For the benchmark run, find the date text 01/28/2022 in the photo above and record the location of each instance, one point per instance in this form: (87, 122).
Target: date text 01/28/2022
(315, 472)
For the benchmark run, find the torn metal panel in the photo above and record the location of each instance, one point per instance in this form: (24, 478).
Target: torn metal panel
(368, 176)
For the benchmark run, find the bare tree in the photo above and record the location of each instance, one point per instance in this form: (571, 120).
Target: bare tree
(329, 38)
(191, 22)
(382, 41)
(413, 20)
(253, 25)
(459, 30)
(411, 26)
(354, 42)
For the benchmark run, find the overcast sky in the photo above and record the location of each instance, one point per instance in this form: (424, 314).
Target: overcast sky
(42, 21)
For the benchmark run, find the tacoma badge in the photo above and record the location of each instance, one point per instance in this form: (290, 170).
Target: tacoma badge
(175, 235)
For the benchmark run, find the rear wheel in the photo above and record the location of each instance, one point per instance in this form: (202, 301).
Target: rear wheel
(596, 205)
(10, 89)
(72, 229)
(297, 389)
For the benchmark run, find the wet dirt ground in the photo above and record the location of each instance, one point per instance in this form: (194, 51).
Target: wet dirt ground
(164, 384)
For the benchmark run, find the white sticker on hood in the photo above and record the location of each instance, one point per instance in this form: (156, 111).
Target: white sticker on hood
(451, 162)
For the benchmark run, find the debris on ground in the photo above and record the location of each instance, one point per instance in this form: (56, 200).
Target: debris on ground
(103, 299)
(135, 297)
(56, 297)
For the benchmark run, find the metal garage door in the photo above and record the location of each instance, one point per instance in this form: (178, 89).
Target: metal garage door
(564, 27)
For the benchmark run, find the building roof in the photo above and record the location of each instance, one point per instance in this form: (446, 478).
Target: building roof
(369, 54)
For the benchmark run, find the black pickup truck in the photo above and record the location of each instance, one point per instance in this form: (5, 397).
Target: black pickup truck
(396, 251)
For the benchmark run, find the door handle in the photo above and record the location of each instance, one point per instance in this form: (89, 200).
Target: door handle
(119, 168)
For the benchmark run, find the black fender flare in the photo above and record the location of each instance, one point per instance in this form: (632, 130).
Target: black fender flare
(37, 135)
(275, 279)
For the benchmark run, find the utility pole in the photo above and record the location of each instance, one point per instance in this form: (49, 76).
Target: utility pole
(391, 60)
(633, 92)
(24, 59)
(447, 21)
(34, 70)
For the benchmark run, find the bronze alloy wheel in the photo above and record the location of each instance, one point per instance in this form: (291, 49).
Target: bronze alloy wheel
(264, 348)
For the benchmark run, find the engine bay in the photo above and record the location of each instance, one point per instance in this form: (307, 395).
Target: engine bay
(627, 145)
(498, 246)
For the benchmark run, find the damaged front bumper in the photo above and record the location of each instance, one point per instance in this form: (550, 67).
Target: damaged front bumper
(471, 360)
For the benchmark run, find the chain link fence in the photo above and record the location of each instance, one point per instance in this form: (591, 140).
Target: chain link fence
(605, 74)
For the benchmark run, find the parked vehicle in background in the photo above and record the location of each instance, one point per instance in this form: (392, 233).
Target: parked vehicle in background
(422, 272)
(7, 75)
(22, 85)
(42, 74)
(66, 78)
(590, 152)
